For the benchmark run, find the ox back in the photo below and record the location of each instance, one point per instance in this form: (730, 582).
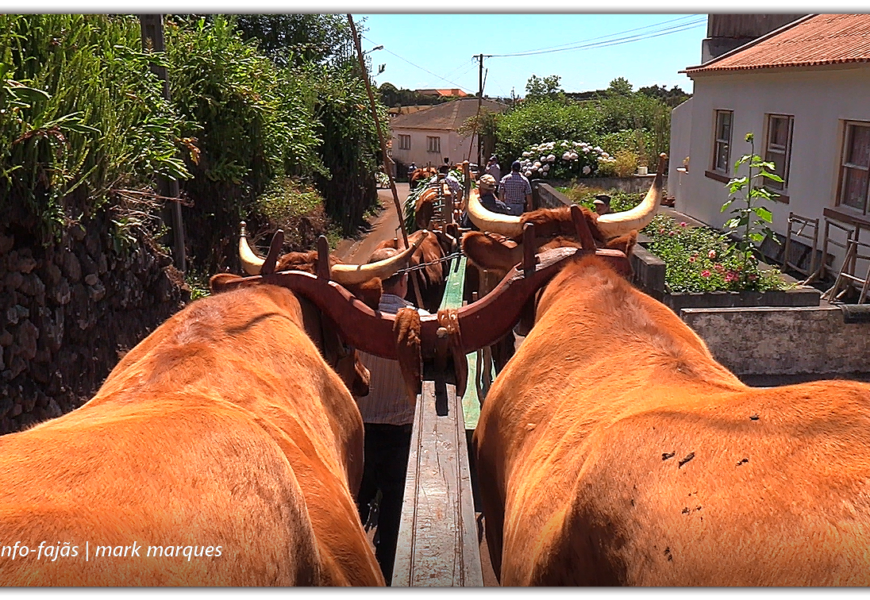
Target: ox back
(614, 450)
(222, 450)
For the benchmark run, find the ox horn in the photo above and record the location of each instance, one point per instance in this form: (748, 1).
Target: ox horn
(615, 224)
(355, 274)
(251, 263)
(506, 225)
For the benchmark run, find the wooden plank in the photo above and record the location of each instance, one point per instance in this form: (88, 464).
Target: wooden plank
(438, 544)
(453, 295)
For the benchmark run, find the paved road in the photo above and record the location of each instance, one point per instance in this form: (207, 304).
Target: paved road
(383, 226)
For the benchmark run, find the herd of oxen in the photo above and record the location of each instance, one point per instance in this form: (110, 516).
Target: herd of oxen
(612, 449)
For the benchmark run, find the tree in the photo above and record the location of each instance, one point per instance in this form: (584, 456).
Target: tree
(390, 95)
(548, 87)
(300, 39)
(620, 87)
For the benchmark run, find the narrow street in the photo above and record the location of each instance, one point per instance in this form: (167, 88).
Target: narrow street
(383, 226)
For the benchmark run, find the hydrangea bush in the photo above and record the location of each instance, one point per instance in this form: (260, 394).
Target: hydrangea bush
(563, 160)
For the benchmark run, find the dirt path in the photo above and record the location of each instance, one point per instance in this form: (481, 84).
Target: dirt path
(383, 226)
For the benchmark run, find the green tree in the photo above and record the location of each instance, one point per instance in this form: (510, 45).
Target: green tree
(620, 87)
(548, 87)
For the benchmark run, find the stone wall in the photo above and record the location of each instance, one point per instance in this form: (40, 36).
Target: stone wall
(68, 313)
(781, 341)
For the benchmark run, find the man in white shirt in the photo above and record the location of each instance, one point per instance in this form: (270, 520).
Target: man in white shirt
(388, 416)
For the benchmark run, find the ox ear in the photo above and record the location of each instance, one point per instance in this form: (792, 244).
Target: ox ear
(223, 282)
(487, 253)
(624, 243)
(369, 292)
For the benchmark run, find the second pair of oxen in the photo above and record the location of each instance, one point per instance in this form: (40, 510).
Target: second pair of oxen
(614, 450)
(222, 450)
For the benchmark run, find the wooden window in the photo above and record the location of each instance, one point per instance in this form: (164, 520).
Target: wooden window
(777, 149)
(854, 167)
(722, 146)
(404, 142)
(433, 144)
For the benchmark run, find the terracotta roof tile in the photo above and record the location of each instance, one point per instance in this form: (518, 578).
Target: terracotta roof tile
(815, 40)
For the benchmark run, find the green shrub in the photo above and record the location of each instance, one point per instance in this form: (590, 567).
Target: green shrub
(699, 259)
(563, 160)
(81, 116)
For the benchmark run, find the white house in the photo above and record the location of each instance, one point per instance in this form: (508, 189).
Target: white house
(429, 136)
(803, 90)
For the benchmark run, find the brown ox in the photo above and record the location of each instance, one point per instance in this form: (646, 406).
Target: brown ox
(614, 450)
(498, 247)
(421, 175)
(432, 279)
(222, 450)
(363, 281)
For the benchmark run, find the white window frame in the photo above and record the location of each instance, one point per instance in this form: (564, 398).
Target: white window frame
(433, 144)
(404, 142)
(718, 142)
(848, 129)
(782, 167)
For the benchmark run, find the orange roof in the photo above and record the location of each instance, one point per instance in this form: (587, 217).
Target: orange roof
(811, 41)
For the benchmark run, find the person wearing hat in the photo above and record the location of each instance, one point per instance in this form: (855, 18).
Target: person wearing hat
(486, 188)
(515, 190)
(493, 168)
(602, 204)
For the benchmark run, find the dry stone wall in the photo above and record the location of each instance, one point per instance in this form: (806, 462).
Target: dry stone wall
(68, 313)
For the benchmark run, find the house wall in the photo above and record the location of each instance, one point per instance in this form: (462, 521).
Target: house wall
(453, 146)
(820, 100)
(681, 136)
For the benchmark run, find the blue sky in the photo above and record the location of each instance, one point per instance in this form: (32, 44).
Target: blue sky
(439, 50)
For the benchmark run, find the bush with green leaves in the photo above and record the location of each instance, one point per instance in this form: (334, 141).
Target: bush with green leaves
(563, 160)
(541, 120)
(81, 116)
(751, 220)
(700, 259)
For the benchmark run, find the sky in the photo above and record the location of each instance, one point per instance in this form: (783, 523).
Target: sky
(587, 51)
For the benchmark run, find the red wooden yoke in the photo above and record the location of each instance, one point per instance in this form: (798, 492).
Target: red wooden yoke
(482, 323)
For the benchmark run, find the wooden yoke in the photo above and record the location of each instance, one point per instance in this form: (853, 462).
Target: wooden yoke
(274, 250)
(582, 229)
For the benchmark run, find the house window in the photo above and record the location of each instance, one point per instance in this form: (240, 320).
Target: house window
(433, 144)
(722, 148)
(404, 142)
(778, 149)
(854, 167)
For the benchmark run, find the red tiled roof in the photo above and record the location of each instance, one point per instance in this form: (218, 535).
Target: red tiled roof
(814, 40)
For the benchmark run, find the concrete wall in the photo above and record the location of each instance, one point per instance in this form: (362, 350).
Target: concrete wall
(681, 137)
(820, 101)
(453, 146)
(782, 341)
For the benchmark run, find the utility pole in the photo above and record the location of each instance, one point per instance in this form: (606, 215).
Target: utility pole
(152, 40)
(480, 58)
(479, 104)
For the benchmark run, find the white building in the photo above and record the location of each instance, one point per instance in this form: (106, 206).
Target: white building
(429, 136)
(803, 90)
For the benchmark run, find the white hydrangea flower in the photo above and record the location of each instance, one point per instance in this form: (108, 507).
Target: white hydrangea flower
(528, 173)
(526, 154)
(566, 156)
(545, 168)
(587, 169)
(551, 158)
(537, 165)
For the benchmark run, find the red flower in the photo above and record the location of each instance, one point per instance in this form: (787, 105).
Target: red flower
(719, 268)
(705, 273)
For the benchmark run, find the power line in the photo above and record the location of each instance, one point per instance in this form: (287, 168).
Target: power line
(610, 35)
(611, 42)
(456, 85)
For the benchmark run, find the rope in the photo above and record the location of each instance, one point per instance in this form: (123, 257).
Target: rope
(434, 262)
